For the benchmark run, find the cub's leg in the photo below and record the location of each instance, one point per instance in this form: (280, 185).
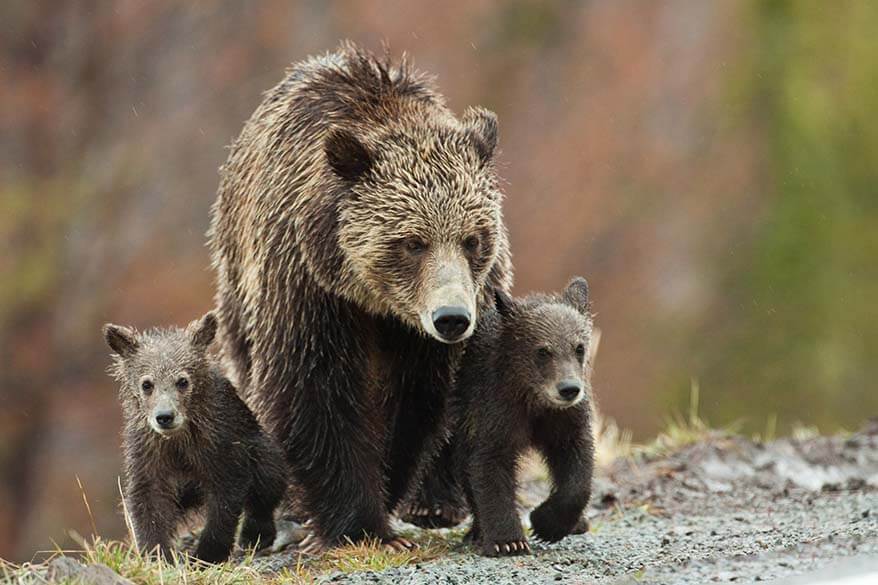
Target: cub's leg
(570, 466)
(190, 497)
(154, 514)
(491, 477)
(218, 535)
(266, 492)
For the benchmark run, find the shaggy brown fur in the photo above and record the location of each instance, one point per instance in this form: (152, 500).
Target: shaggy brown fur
(523, 384)
(355, 235)
(189, 440)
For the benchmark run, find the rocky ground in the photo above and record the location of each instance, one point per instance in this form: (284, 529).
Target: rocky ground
(723, 510)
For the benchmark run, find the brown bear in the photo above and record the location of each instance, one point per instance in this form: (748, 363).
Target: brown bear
(356, 236)
(190, 441)
(523, 383)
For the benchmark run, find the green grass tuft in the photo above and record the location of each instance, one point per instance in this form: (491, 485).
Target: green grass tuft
(148, 570)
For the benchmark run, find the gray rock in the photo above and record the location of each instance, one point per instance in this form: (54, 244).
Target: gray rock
(66, 569)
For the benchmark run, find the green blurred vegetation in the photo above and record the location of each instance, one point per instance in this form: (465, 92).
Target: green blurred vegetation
(799, 334)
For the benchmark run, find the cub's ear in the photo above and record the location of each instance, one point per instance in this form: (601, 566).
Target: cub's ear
(348, 157)
(121, 340)
(576, 294)
(481, 125)
(203, 331)
(503, 302)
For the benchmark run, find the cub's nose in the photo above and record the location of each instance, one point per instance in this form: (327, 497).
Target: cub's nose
(569, 389)
(165, 419)
(450, 321)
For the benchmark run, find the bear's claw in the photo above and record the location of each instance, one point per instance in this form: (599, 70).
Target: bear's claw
(399, 544)
(506, 548)
(438, 516)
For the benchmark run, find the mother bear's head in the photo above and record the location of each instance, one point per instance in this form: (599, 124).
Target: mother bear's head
(417, 220)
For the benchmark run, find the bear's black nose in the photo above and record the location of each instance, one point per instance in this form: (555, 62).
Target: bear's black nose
(569, 389)
(451, 321)
(165, 419)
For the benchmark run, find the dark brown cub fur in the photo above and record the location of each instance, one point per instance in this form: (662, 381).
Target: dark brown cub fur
(190, 441)
(523, 383)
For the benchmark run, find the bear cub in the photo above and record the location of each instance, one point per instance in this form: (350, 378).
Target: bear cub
(524, 383)
(190, 442)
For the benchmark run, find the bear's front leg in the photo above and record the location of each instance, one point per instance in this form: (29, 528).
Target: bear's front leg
(334, 443)
(492, 483)
(421, 424)
(438, 501)
(570, 466)
(218, 536)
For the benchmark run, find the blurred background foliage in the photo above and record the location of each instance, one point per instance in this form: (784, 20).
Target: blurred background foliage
(709, 166)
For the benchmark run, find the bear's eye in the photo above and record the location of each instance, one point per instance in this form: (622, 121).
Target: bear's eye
(580, 351)
(146, 386)
(182, 383)
(415, 246)
(471, 244)
(544, 353)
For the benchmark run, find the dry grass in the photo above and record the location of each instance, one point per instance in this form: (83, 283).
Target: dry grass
(148, 570)
(142, 569)
(612, 443)
(372, 556)
(682, 430)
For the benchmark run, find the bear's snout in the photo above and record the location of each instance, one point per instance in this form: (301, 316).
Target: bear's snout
(451, 322)
(448, 312)
(165, 419)
(569, 389)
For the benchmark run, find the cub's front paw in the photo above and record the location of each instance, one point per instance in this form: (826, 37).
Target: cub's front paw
(505, 548)
(551, 523)
(257, 534)
(212, 552)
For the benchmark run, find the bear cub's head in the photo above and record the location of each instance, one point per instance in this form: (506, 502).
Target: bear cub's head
(421, 226)
(545, 342)
(163, 373)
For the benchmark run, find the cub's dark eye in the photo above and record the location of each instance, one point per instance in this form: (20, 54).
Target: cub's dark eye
(146, 386)
(471, 244)
(182, 383)
(544, 353)
(580, 351)
(415, 246)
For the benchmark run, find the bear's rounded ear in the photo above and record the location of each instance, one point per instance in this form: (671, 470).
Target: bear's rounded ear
(481, 126)
(203, 331)
(576, 294)
(503, 302)
(348, 157)
(121, 340)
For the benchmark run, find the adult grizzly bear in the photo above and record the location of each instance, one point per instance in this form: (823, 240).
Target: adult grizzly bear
(356, 235)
